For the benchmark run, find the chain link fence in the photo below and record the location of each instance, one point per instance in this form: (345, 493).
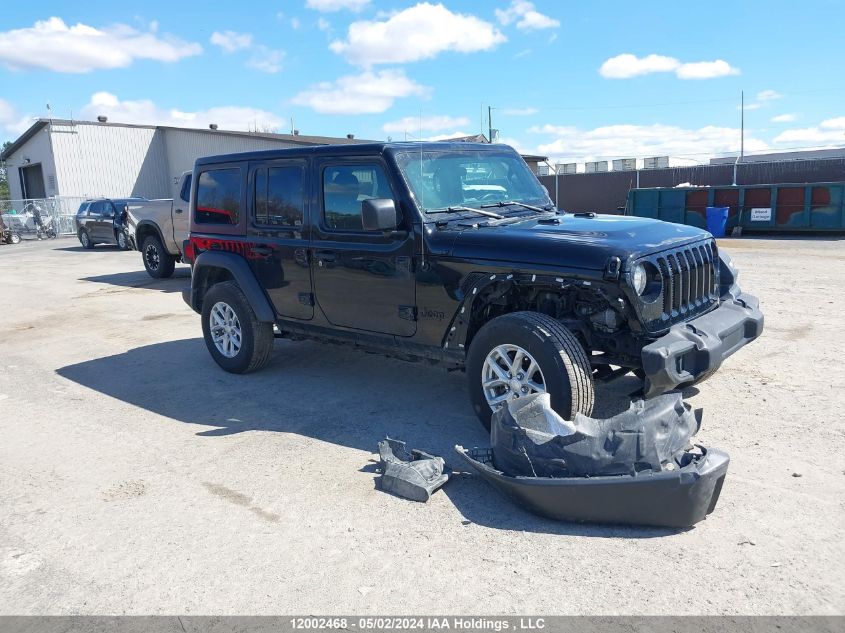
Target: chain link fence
(18, 215)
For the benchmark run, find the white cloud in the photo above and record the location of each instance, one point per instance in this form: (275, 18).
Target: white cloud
(768, 95)
(295, 23)
(783, 118)
(53, 45)
(626, 65)
(834, 124)
(145, 111)
(572, 144)
(527, 18)
(266, 60)
(324, 25)
(830, 132)
(419, 32)
(231, 41)
(426, 123)
(519, 111)
(11, 121)
(367, 93)
(706, 70)
(328, 6)
(750, 106)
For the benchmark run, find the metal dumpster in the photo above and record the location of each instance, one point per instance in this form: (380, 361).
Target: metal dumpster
(770, 208)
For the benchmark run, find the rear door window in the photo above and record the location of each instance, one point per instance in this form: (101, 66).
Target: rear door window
(219, 197)
(279, 195)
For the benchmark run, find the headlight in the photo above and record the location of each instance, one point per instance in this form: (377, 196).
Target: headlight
(639, 277)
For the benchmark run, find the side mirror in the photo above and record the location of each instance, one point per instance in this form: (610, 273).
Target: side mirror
(379, 214)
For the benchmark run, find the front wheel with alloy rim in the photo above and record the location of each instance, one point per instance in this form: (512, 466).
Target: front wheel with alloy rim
(234, 336)
(524, 353)
(158, 262)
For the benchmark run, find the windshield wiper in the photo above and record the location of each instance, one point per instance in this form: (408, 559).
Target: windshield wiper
(458, 209)
(507, 203)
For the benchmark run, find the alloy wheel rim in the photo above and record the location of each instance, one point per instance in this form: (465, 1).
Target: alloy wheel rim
(509, 373)
(85, 239)
(225, 329)
(151, 255)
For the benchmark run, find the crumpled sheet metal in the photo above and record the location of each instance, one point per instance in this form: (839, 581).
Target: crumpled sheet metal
(529, 438)
(636, 468)
(414, 475)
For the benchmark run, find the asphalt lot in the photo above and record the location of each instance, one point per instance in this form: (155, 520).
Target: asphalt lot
(137, 477)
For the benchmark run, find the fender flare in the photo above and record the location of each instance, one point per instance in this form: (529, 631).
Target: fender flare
(142, 225)
(244, 277)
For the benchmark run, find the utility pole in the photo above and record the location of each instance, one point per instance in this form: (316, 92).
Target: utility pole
(742, 126)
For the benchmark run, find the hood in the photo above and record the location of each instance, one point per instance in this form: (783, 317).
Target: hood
(576, 242)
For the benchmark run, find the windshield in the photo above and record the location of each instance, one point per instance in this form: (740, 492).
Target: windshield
(444, 179)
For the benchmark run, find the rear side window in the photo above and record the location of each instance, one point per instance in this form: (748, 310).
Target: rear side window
(279, 196)
(185, 194)
(219, 197)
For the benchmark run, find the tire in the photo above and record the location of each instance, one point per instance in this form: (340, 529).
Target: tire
(122, 242)
(158, 262)
(15, 238)
(564, 365)
(85, 239)
(256, 338)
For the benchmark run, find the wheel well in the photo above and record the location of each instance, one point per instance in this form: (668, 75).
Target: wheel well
(573, 304)
(143, 232)
(207, 276)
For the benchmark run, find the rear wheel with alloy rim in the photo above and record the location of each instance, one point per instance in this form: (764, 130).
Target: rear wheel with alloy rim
(122, 243)
(85, 239)
(525, 353)
(234, 336)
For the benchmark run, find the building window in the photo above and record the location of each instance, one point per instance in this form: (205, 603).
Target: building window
(279, 196)
(219, 197)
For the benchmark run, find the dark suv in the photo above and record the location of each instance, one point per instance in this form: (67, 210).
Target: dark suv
(102, 221)
(453, 252)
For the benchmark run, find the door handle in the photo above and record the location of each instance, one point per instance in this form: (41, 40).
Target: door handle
(177, 210)
(327, 256)
(262, 250)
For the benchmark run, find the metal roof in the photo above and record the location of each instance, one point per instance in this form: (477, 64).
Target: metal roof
(299, 139)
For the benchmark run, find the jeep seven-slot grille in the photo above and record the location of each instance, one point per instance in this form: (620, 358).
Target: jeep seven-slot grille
(689, 285)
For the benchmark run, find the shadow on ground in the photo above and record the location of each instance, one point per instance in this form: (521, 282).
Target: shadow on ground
(98, 247)
(140, 279)
(333, 394)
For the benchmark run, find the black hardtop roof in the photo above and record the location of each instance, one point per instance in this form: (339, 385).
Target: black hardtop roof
(362, 149)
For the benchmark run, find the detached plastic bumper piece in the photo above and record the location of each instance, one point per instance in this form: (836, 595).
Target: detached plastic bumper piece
(696, 347)
(672, 498)
(414, 475)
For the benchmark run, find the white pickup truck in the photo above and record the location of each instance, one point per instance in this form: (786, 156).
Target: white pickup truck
(157, 228)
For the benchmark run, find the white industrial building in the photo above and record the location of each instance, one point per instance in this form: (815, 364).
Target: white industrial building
(72, 160)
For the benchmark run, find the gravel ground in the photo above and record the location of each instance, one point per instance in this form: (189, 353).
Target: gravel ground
(136, 477)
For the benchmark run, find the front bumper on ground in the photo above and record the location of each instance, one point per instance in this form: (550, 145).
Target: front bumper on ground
(676, 498)
(692, 349)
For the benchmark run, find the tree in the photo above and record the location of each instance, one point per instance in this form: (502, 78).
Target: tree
(4, 181)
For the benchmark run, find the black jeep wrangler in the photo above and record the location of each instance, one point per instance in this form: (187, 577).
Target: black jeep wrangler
(453, 252)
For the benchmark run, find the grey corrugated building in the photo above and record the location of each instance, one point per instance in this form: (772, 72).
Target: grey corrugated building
(59, 157)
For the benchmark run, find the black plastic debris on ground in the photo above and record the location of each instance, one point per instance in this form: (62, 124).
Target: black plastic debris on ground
(414, 475)
(636, 468)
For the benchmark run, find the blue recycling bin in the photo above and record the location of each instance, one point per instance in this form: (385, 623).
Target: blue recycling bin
(717, 220)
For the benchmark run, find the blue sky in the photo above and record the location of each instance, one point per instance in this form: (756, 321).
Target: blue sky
(572, 80)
